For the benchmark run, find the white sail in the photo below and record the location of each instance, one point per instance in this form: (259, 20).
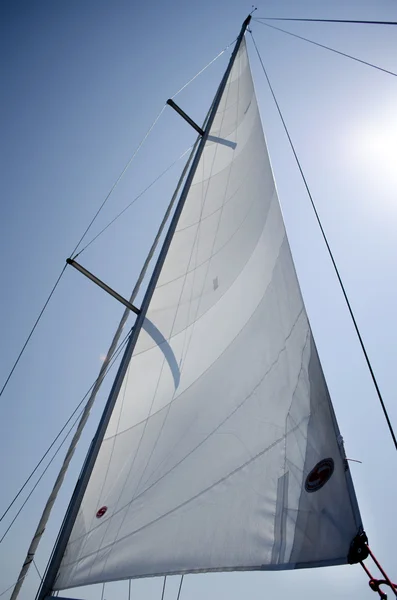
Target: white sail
(222, 452)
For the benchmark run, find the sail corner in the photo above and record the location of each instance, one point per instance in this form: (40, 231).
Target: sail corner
(358, 549)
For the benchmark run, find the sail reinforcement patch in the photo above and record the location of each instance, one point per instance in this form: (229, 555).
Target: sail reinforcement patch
(319, 475)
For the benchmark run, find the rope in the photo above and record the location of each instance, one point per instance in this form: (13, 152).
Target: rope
(79, 242)
(38, 481)
(11, 586)
(300, 37)
(180, 587)
(73, 253)
(330, 254)
(88, 406)
(330, 21)
(374, 583)
(164, 172)
(202, 70)
(162, 593)
(48, 507)
(32, 331)
(118, 180)
(37, 570)
(59, 435)
(133, 201)
(56, 452)
(103, 591)
(129, 589)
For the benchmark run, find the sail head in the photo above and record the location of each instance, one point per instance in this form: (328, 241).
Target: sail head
(222, 452)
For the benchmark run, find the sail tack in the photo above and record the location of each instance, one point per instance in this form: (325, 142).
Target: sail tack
(222, 452)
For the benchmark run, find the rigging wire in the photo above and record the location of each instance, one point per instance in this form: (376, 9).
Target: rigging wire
(301, 37)
(37, 570)
(73, 253)
(133, 201)
(11, 586)
(203, 69)
(87, 408)
(162, 593)
(40, 478)
(44, 456)
(180, 587)
(329, 21)
(115, 356)
(374, 380)
(32, 330)
(51, 461)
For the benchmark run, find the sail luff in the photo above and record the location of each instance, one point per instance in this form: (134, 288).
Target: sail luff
(70, 517)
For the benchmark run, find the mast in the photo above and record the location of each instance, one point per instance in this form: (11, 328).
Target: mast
(74, 505)
(102, 373)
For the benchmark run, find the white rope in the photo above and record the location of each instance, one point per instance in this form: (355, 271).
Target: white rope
(202, 71)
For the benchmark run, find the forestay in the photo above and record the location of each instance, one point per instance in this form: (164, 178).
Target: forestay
(222, 452)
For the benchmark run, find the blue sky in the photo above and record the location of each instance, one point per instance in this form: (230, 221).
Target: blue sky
(82, 82)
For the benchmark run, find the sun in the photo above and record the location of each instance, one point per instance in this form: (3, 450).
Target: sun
(372, 148)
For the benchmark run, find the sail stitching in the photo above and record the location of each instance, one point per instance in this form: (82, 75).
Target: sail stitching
(191, 329)
(249, 172)
(180, 303)
(271, 367)
(183, 356)
(226, 243)
(206, 370)
(163, 364)
(189, 500)
(118, 423)
(269, 284)
(141, 438)
(143, 421)
(149, 409)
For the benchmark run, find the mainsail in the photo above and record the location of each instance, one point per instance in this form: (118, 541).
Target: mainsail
(222, 452)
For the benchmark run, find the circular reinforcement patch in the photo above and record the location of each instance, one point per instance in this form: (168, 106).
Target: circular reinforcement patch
(101, 512)
(319, 475)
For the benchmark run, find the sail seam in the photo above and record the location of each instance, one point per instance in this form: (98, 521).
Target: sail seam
(197, 236)
(231, 197)
(218, 357)
(273, 364)
(185, 503)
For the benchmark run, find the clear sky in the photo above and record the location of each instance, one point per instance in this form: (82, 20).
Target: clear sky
(81, 83)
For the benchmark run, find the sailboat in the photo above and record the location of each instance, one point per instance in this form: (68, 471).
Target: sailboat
(218, 448)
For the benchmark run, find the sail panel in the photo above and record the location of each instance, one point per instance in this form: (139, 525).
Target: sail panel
(222, 452)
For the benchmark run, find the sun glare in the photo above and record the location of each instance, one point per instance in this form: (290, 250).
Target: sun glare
(372, 149)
